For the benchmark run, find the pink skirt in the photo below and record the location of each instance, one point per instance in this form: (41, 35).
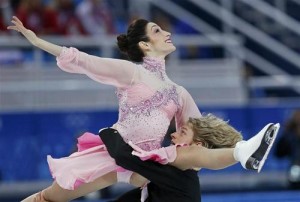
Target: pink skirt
(90, 162)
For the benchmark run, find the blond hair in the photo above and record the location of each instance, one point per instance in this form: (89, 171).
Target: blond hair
(214, 132)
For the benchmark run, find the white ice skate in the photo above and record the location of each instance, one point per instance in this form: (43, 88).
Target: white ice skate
(253, 153)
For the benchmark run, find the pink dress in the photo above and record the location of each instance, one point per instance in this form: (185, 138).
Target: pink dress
(148, 100)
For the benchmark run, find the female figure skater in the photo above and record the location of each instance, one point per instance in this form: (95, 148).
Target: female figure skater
(148, 100)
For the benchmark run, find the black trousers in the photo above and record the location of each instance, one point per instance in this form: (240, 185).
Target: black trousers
(167, 182)
(130, 196)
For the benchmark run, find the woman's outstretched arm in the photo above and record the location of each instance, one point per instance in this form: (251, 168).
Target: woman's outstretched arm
(33, 39)
(119, 73)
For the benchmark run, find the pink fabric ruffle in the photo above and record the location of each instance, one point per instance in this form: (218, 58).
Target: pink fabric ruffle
(162, 155)
(68, 60)
(88, 140)
(89, 163)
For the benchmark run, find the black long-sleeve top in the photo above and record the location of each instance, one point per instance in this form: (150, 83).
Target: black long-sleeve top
(168, 183)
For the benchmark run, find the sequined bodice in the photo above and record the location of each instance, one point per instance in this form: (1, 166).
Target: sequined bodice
(159, 99)
(145, 113)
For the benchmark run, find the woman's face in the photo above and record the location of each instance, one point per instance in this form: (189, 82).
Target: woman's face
(160, 41)
(183, 136)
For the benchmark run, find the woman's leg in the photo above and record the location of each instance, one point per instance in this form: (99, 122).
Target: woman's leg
(195, 157)
(251, 153)
(55, 193)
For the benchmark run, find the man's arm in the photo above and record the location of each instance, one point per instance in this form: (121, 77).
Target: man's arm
(165, 175)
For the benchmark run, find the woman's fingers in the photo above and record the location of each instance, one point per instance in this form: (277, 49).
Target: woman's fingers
(13, 28)
(18, 25)
(17, 20)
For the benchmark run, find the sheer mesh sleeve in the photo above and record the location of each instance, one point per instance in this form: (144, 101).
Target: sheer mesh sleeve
(114, 72)
(188, 108)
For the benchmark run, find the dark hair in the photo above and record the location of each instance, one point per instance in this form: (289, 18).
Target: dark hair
(128, 43)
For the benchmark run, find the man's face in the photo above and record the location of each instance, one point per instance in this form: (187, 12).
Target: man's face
(184, 135)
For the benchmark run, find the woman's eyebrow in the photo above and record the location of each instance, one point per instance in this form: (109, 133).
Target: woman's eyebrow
(153, 26)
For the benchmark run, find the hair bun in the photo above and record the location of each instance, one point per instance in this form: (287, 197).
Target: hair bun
(123, 42)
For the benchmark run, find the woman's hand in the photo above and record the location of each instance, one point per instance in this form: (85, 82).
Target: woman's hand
(18, 26)
(162, 155)
(33, 39)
